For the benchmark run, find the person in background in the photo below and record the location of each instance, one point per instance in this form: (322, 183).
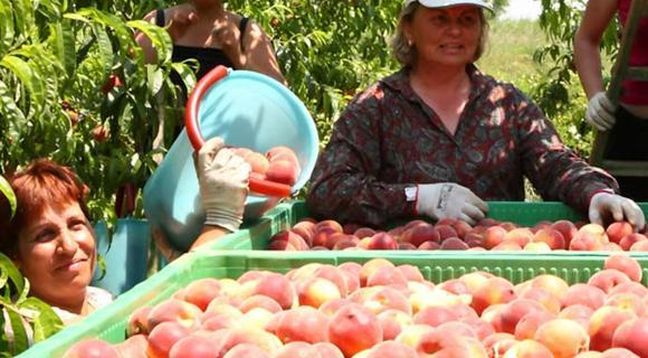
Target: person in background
(439, 137)
(203, 30)
(627, 121)
(52, 242)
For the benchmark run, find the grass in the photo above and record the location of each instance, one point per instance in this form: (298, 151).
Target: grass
(509, 52)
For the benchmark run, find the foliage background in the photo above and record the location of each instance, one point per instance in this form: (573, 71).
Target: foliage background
(58, 60)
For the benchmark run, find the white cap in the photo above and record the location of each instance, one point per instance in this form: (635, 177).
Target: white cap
(444, 3)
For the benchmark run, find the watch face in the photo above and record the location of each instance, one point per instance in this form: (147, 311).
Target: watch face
(410, 193)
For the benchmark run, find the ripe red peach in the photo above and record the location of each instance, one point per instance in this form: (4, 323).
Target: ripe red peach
(138, 321)
(327, 350)
(175, 310)
(387, 276)
(390, 349)
(566, 228)
(498, 343)
(282, 171)
(618, 230)
(435, 315)
(370, 267)
(445, 231)
(618, 353)
(495, 290)
(315, 291)
(629, 240)
(302, 324)
(528, 348)
(551, 283)
(194, 346)
(259, 301)
(379, 241)
(640, 246)
(551, 237)
(454, 243)
(544, 297)
(392, 322)
(363, 232)
(268, 342)
(380, 298)
(305, 229)
(430, 245)
(581, 293)
(201, 292)
(608, 279)
(529, 324)
(521, 236)
(91, 347)
(627, 301)
(419, 234)
(411, 272)
(603, 323)
(354, 328)
(515, 310)
(633, 335)
(163, 336)
(578, 313)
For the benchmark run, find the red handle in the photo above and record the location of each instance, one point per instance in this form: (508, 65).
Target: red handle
(197, 140)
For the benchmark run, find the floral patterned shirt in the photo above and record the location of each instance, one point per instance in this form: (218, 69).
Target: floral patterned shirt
(388, 139)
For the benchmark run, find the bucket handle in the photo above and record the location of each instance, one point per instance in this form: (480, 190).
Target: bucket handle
(256, 185)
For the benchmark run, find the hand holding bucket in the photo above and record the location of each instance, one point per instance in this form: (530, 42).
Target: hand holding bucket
(246, 109)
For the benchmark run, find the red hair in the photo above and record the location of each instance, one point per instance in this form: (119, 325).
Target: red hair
(43, 183)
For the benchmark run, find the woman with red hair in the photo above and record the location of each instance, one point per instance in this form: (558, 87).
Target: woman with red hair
(52, 242)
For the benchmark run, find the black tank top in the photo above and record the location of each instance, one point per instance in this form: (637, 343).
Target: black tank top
(208, 58)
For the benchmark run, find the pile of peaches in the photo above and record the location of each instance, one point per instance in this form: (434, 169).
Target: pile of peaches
(381, 310)
(449, 234)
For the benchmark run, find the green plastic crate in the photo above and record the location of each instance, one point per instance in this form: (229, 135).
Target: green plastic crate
(283, 216)
(110, 323)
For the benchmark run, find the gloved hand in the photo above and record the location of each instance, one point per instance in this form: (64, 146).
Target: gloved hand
(223, 178)
(449, 200)
(606, 204)
(600, 112)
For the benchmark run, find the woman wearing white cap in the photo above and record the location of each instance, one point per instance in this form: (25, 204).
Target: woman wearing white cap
(438, 137)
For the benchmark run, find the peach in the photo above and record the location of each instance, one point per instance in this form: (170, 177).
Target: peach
(430, 245)
(455, 286)
(411, 335)
(296, 350)
(259, 301)
(552, 237)
(379, 241)
(578, 313)
(551, 283)
(327, 350)
(566, 228)
(392, 322)
(627, 301)
(529, 323)
(462, 228)
(434, 316)
(521, 236)
(474, 239)
(507, 246)
(618, 230)
(334, 275)
(291, 238)
(322, 234)
(611, 246)
(305, 229)
(515, 310)
(282, 153)
(625, 264)
(581, 293)
(273, 285)
(481, 328)
(618, 353)
(163, 336)
(608, 279)
(344, 242)
(175, 310)
(282, 171)
(603, 323)
(493, 236)
(528, 349)
(454, 243)
(91, 347)
(315, 291)
(495, 290)
(380, 298)
(302, 324)
(419, 234)
(138, 321)
(133, 347)
(268, 342)
(445, 231)
(363, 232)
(476, 279)
(354, 328)
(498, 343)
(332, 224)
(201, 292)
(544, 297)
(391, 349)
(370, 267)
(193, 346)
(632, 335)
(564, 338)
(215, 321)
(629, 240)
(281, 245)
(640, 246)
(630, 287)
(537, 247)
(258, 162)
(411, 272)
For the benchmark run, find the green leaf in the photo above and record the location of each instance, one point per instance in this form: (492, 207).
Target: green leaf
(6, 265)
(7, 31)
(159, 38)
(62, 42)
(186, 74)
(4, 340)
(5, 189)
(46, 322)
(28, 76)
(20, 339)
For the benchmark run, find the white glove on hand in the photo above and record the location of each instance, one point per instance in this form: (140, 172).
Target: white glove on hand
(449, 200)
(223, 178)
(605, 205)
(600, 112)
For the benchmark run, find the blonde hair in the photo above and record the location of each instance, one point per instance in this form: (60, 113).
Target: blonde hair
(405, 53)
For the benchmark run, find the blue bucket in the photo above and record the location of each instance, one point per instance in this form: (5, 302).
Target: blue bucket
(246, 109)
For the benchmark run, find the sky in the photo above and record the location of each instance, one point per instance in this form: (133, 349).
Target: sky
(522, 9)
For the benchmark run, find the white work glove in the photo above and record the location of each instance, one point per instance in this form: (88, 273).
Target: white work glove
(618, 207)
(223, 178)
(600, 112)
(449, 200)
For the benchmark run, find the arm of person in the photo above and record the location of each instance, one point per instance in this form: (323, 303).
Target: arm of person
(345, 183)
(587, 41)
(210, 233)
